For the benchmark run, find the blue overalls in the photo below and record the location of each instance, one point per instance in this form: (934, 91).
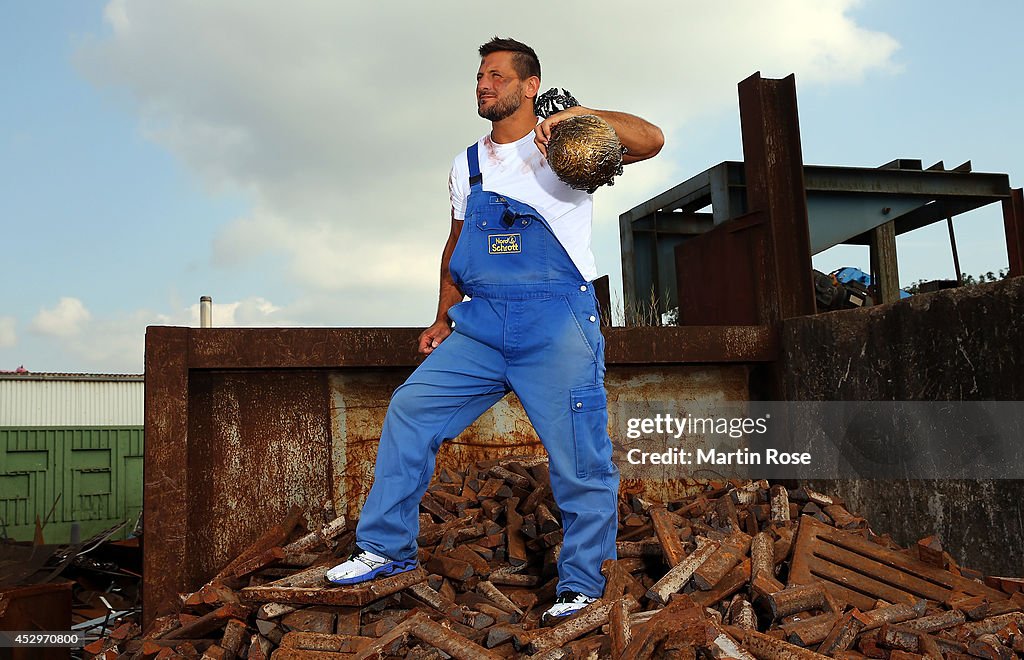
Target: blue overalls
(531, 327)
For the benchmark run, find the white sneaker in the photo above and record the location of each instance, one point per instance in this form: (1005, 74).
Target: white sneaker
(567, 604)
(363, 566)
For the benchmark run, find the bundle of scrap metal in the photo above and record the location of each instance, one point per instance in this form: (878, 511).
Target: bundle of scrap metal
(743, 570)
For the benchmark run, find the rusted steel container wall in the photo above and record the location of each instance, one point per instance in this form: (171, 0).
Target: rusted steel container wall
(241, 424)
(36, 608)
(952, 345)
(261, 441)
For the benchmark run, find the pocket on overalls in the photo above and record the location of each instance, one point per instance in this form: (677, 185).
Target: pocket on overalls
(592, 446)
(589, 331)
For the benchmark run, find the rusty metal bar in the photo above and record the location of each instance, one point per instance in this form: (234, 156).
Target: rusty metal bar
(668, 535)
(593, 616)
(165, 490)
(884, 264)
(795, 599)
(447, 640)
(355, 595)
(843, 633)
(313, 641)
(731, 552)
(762, 556)
(327, 348)
(764, 647)
(620, 630)
(773, 165)
(316, 537)
(1013, 223)
(677, 577)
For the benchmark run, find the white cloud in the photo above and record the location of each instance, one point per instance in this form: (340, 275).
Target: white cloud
(65, 319)
(340, 119)
(70, 338)
(250, 313)
(8, 337)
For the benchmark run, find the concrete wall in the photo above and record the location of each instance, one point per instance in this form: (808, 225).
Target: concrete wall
(959, 344)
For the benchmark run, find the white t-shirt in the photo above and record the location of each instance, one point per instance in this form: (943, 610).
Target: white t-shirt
(519, 170)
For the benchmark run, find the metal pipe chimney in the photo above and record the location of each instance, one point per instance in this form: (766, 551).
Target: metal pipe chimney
(206, 312)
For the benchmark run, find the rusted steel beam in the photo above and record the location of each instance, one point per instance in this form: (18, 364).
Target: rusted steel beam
(325, 642)
(496, 596)
(800, 598)
(811, 631)
(730, 584)
(321, 536)
(668, 535)
(994, 624)
(620, 630)
(779, 504)
(296, 654)
(457, 613)
(762, 556)
(691, 344)
(304, 348)
(731, 552)
(591, 617)
(262, 560)
(513, 531)
(455, 569)
(936, 622)
(165, 471)
(1013, 223)
(892, 614)
(208, 622)
(895, 637)
(389, 643)
(325, 348)
(270, 539)
(638, 549)
(764, 647)
(677, 576)
(774, 174)
(843, 633)
(619, 581)
(352, 595)
(741, 613)
(314, 575)
(452, 643)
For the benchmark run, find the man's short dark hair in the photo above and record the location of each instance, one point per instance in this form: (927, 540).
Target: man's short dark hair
(524, 59)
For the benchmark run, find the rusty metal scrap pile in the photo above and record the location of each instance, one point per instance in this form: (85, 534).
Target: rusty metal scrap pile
(743, 570)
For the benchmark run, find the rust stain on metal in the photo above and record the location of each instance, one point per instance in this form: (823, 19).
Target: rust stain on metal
(243, 423)
(359, 401)
(644, 392)
(260, 441)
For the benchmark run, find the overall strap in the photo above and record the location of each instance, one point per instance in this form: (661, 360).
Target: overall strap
(475, 178)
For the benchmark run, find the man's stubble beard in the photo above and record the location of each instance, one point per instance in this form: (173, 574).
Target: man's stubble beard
(503, 108)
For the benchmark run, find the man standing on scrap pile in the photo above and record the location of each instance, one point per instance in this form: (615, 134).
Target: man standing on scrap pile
(520, 247)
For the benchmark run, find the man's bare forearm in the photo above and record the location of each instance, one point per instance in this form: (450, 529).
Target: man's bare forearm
(449, 293)
(641, 138)
(448, 297)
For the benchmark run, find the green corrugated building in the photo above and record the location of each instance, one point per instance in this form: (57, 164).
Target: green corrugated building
(70, 452)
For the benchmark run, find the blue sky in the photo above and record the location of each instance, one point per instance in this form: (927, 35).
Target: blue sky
(293, 166)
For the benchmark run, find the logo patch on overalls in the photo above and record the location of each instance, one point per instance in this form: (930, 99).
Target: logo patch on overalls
(504, 244)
